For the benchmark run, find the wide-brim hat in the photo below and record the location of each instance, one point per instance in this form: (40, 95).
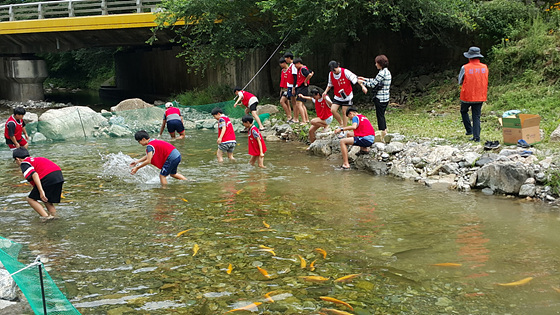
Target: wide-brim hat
(474, 52)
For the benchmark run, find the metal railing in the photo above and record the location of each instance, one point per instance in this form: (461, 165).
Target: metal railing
(73, 8)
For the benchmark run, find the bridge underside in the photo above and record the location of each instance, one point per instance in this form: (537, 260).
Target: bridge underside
(18, 44)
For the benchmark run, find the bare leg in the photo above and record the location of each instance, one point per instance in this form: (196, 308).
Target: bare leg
(312, 133)
(286, 105)
(344, 118)
(253, 159)
(230, 156)
(296, 112)
(172, 134)
(344, 150)
(334, 111)
(261, 161)
(257, 118)
(163, 180)
(37, 207)
(304, 115)
(178, 176)
(50, 208)
(181, 135)
(219, 154)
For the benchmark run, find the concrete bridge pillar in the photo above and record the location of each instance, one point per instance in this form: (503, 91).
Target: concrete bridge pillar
(21, 78)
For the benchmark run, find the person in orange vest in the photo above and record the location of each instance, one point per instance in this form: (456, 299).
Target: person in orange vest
(473, 79)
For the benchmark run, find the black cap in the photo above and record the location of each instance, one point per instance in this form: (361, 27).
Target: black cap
(333, 65)
(20, 152)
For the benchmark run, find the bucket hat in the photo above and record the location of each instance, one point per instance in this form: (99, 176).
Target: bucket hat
(474, 52)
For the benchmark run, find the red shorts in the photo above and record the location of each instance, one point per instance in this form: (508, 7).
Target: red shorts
(22, 142)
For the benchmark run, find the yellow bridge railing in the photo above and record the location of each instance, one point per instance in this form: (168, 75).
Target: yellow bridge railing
(74, 8)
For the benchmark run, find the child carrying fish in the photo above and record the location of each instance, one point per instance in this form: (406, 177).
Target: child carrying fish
(159, 153)
(257, 147)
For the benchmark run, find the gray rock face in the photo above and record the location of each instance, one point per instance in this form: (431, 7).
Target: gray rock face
(321, 147)
(267, 109)
(70, 122)
(149, 119)
(394, 147)
(133, 103)
(527, 190)
(7, 286)
(555, 135)
(38, 137)
(503, 177)
(119, 131)
(371, 165)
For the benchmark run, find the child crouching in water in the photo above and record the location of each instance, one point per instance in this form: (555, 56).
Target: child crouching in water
(257, 148)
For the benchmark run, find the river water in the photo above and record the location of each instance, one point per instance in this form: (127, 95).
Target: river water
(115, 247)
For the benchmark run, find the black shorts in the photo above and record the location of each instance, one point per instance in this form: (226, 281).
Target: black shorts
(253, 107)
(303, 90)
(52, 192)
(342, 103)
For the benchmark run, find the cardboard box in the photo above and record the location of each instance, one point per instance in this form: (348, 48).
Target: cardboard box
(523, 126)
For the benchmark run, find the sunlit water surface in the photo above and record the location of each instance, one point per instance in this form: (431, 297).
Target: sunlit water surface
(115, 247)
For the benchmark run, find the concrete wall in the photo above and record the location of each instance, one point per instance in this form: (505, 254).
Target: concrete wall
(21, 78)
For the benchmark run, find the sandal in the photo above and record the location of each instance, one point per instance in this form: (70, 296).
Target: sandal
(344, 168)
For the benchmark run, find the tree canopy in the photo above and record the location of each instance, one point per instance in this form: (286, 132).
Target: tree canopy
(218, 30)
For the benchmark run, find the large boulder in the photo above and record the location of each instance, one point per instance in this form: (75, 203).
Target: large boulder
(322, 147)
(70, 122)
(133, 103)
(149, 119)
(503, 177)
(267, 109)
(7, 286)
(555, 135)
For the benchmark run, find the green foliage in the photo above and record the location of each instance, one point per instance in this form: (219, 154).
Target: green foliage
(218, 31)
(80, 68)
(209, 95)
(495, 19)
(553, 180)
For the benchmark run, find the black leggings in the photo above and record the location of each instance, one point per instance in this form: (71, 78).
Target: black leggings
(380, 108)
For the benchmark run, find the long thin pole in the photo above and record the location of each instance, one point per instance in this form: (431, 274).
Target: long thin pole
(42, 289)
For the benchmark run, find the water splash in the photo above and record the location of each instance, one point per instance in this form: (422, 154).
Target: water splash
(116, 166)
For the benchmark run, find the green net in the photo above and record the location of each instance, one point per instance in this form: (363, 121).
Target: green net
(227, 107)
(29, 282)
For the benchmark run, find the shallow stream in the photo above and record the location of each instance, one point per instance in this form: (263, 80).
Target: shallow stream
(115, 247)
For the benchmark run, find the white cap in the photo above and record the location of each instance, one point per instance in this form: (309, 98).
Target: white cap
(168, 104)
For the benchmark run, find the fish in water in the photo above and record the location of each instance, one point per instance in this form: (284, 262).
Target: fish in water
(317, 279)
(266, 225)
(195, 249)
(312, 265)
(263, 272)
(322, 252)
(337, 301)
(347, 278)
(302, 262)
(185, 200)
(267, 296)
(447, 265)
(265, 247)
(267, 250)
(229, 269)
(182, 232)
(253, 307)
(332, 311)
(516, 283)
(239, 191)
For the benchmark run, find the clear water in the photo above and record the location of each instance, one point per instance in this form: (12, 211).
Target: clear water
(115, 247)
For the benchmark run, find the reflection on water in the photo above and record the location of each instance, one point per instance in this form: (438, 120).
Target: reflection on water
(116, 247)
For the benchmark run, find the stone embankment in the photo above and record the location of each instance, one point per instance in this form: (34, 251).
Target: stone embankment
(509, 170)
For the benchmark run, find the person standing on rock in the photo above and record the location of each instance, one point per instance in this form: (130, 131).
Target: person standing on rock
(360, 133)
(159, 153)
(46, 178)
(341, 80)
(14, 130)
(302, 82)
(473, 79)
(174, 121)
(380, 91)
(285, 93)
(291, 83)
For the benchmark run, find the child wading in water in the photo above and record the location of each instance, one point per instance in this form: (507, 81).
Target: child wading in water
(257, 148)
(226, 135)
(323, 108)
(159, 153)
(250, 101)
(46, 178)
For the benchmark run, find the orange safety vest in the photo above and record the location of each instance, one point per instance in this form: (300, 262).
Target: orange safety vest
(475, 82)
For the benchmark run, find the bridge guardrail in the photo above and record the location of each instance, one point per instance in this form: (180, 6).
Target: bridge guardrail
(73, 8)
